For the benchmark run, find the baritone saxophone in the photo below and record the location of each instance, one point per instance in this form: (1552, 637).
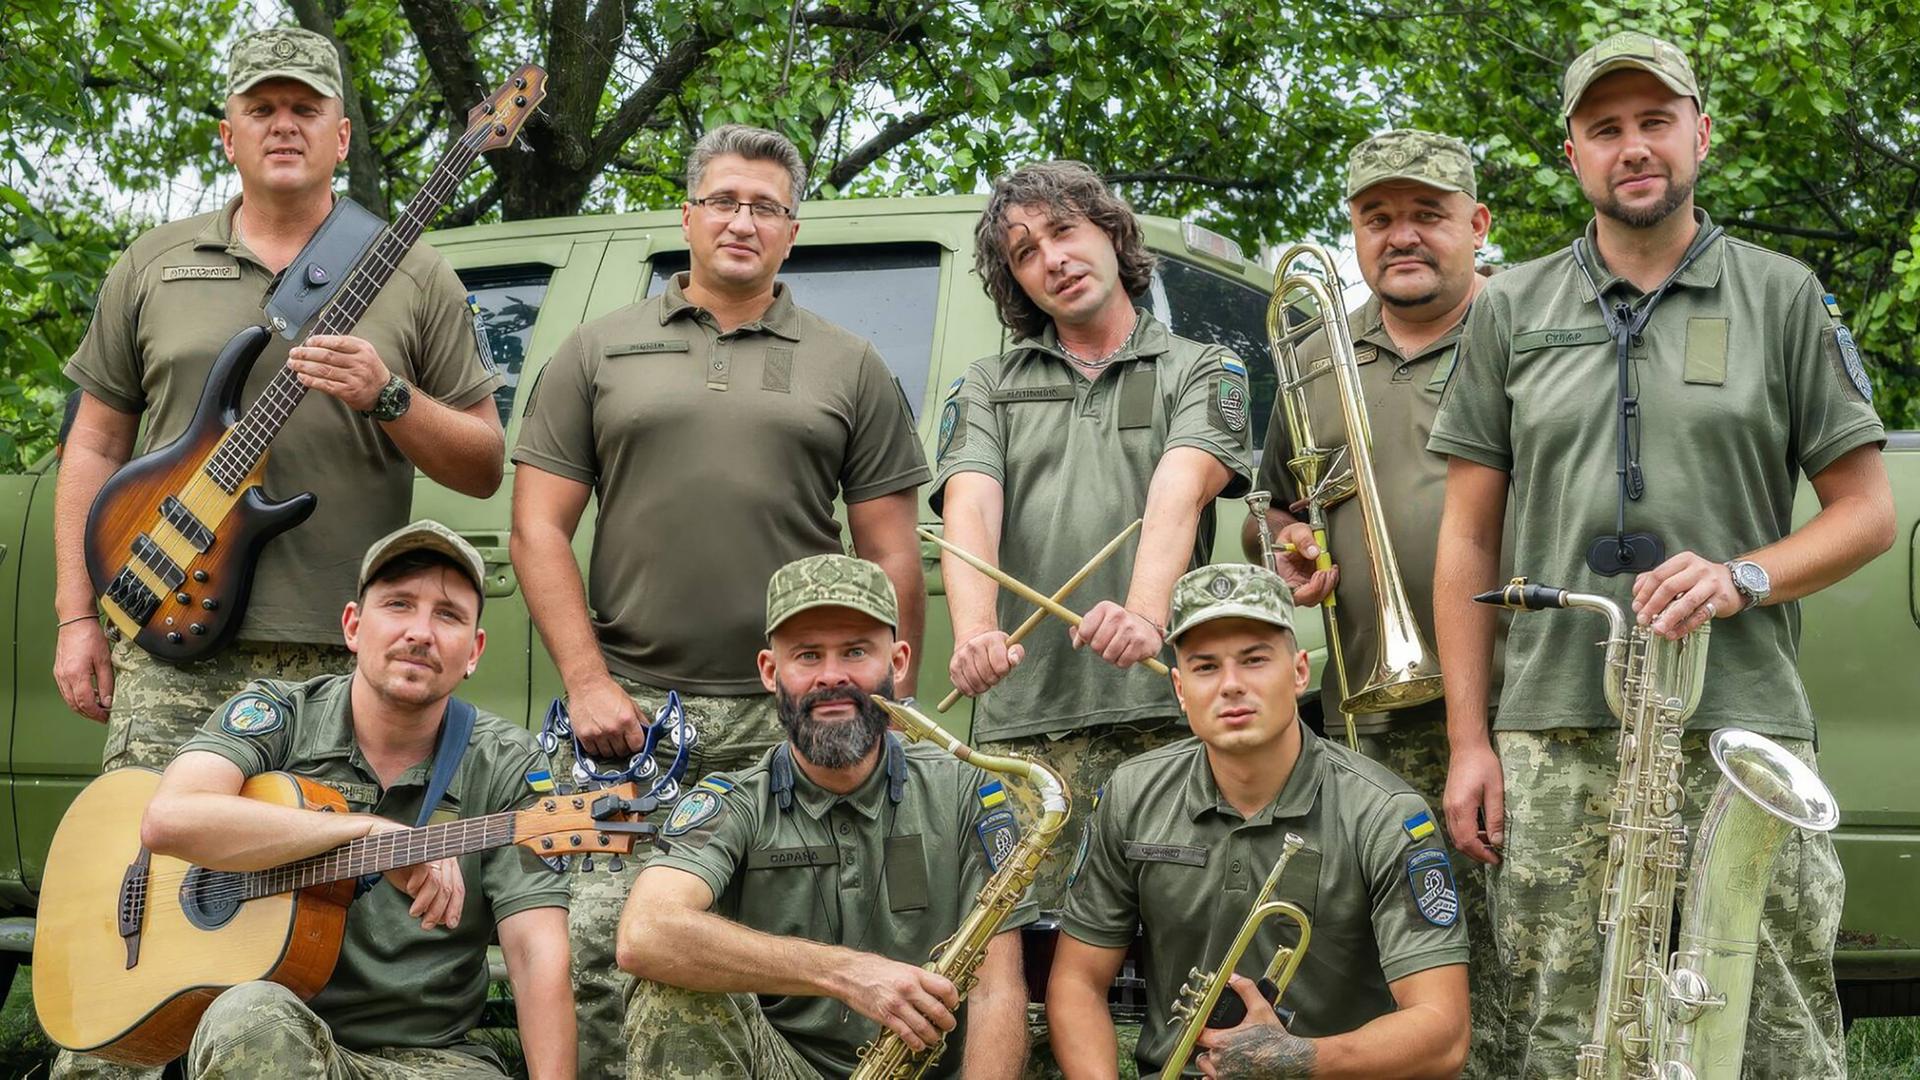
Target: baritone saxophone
(1684, 1016)
(958, 958)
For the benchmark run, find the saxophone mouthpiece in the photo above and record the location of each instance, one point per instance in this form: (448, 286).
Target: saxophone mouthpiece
(1520, 595)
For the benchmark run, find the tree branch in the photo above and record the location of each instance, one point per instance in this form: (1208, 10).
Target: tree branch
(680, 62)
(897, 131)
(470, 213)
(364, 175)
(449, 55)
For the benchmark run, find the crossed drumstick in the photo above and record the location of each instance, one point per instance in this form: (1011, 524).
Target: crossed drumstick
(1047, 605)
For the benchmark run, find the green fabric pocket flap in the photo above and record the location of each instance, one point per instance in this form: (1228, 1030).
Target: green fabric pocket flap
(906, 873)
(1706, 352)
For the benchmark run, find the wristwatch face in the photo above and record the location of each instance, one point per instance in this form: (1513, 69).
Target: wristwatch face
(395, 397)
(1752, 578)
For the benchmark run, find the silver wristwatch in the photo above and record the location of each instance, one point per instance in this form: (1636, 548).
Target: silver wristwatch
(1751, 580)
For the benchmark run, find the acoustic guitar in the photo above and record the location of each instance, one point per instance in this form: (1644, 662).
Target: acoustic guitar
(132, 947)
(173, 535)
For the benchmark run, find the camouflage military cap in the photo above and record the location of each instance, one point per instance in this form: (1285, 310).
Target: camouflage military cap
(1439, 161)
(285, 52)
(1230, 591)
(830, 581)
(1628, 50)
(425, 535)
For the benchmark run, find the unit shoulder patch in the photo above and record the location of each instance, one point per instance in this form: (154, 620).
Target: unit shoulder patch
(1086, 838)
(694, 809)
(953, 428)
(481, 341)
(1227, 408)
(999, 834)
(253, 714)
(1430, 877)
(1852, 367)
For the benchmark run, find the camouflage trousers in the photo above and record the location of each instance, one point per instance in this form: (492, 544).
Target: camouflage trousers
(1084, 759)
(260, 1029)
(675, 1034)
(1545, 896)
(733, 733)
(156, 707)
(1417, 753)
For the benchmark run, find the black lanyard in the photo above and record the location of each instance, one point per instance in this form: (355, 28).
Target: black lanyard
(1622, 551)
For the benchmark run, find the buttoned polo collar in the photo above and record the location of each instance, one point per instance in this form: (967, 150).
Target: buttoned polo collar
(781, 319)
(1150, 338)
(1296, 797)
(1373, 331)
(866, 798)
(327, 731)
(218, 235)
(1702, 273)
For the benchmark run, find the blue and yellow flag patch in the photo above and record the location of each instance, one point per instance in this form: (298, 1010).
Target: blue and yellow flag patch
(540, 780)
(1833, 306)
(1419, 826)
(718, 784)
(1234, 366)
(992, 794)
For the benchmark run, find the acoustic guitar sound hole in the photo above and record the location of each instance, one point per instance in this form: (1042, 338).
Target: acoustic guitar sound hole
(209, 898)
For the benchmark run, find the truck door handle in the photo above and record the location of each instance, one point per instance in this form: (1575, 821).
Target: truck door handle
(501, 580)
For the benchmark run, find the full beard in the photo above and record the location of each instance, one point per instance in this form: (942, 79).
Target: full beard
(834, 744)
(1678, 192)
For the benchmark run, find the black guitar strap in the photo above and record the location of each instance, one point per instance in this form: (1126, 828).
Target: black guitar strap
(315, 274)
(456, 731)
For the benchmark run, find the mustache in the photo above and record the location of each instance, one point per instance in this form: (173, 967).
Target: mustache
(1420, 253)
(423, 654)
(1663, 174)
(852, 695)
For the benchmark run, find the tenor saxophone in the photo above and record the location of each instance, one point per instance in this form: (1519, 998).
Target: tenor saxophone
(1679, 1017)
(958, 958)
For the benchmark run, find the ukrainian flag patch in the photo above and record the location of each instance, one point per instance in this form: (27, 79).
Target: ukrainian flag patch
(992, 794)
(1233, 366)
(1419, 826)
(1833, 306)
(540, 780)
(719, 785)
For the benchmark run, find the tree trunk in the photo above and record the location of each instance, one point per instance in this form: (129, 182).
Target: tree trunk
(366, 180)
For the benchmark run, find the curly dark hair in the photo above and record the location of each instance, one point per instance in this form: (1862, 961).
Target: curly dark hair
(1064, 189)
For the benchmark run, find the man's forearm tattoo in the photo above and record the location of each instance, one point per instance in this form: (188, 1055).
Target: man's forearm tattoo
(1266, 1052)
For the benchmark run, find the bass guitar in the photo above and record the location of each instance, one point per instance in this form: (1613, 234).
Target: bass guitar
(132, 947)
(173, 535)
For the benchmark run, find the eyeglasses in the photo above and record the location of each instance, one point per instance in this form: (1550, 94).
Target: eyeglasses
(725, 206)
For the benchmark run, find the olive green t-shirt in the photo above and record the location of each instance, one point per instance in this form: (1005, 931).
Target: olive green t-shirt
(862, 870)
(397, 985)
(1074, 458)
(168, 307)
(1166, 852)
(716, 459)
(1401, 394)
(1744, 382)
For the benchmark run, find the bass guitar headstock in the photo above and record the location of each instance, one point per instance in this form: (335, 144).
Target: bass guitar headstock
(496, 122)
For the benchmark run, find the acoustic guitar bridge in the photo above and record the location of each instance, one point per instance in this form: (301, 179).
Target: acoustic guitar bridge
(133, 904)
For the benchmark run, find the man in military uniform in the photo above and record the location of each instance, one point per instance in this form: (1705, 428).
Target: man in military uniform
(412, 976)
(1185, 835)
(1739, 377)
(1096, 416)
(1416, 226)
(821, 878)
(407, 388)
(719, 409)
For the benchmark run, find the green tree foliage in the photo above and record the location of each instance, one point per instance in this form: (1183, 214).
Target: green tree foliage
(1237, 113)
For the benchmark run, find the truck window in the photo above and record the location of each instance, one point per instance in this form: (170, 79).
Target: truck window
(509, 300)
(1204, 306)
(886, 293)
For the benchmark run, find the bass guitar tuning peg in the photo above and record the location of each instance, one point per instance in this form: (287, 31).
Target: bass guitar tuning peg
(614, 865)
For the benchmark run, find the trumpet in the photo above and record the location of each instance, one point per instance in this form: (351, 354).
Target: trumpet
(1405, 672)
(1201, 994)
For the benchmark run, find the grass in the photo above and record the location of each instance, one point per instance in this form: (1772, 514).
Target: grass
(1877, 1049)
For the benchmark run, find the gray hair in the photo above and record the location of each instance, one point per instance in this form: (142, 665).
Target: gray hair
(752, 143)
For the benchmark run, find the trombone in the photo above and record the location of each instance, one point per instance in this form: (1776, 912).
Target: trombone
(1405, 672)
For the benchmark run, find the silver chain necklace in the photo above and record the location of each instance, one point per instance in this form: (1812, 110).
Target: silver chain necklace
(1102, 363)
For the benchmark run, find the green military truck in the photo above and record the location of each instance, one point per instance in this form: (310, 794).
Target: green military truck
(899, 272)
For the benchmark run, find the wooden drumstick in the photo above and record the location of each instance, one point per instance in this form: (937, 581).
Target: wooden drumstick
(1064, 591)
(1026, 592)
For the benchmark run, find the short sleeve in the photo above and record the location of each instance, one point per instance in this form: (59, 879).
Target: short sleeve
(884, 455)
(1103, 899)
(448, 365)
(107, 363)
(253, 729)
(1417, 920)
(513, 878)
(711, 846)
(556, 433)
(975, 869)
(1212, 411)
(969, 438)
(1831, 396)
(1475, 417)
